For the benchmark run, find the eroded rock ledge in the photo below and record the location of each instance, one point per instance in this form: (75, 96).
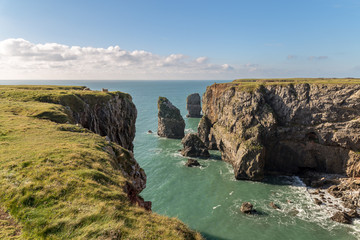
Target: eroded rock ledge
(285, 127)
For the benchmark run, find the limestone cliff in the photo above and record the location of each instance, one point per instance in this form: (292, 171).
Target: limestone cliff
(113, 116)
(284, 126)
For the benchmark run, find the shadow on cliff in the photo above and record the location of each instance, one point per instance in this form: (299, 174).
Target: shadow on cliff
(215, 157)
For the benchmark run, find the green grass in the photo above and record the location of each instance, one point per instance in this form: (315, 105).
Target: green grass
(58, 180)
(252, 84)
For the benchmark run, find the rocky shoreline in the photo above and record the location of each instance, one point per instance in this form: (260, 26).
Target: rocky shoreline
(309, 128)
(340, 193)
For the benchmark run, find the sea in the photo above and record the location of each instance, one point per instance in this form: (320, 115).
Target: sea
(208, 198)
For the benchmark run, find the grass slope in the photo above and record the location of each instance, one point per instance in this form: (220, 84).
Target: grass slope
(58, 181)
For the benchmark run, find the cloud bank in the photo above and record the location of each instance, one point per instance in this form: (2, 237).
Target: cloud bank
(21, 59)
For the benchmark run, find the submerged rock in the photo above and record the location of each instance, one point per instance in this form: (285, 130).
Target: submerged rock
(193, 105)
(192, 163)
(353, 213)
(194, 147)
(273, 205)
(170, 122)
(317, 201)
(341, 217)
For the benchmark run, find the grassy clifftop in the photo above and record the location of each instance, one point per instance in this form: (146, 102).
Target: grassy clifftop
(58, 180)
(252, 84)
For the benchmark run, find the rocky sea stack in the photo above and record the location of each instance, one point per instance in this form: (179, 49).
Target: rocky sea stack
(170, 122)
(194, 147)
(193, 105)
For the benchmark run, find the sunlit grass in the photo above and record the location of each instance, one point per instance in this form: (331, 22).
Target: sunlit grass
(252, 84)
(58, 179)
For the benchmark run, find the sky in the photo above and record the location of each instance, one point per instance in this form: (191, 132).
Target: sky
(184, 40)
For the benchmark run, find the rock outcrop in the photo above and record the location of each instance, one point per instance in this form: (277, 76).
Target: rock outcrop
(194, 147)
(284, 128)
(341, 217)
(193, 105)
(205, 134)
(247, 208)
(113, 116)
(192, 163)
(132, 171)
(170, 122)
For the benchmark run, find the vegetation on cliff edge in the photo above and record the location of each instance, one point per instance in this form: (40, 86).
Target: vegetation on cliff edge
(252, 84)
(57, 179)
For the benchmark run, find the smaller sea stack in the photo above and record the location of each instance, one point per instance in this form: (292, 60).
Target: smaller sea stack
(193, 105)
(170, 122)
(194, 147)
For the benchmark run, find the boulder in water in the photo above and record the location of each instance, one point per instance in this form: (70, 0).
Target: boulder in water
(247, 208)
(317, 201)
(341, 217)
(194, 147)
(192, 163)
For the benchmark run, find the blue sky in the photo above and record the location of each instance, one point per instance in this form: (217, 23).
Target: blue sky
(179, 39)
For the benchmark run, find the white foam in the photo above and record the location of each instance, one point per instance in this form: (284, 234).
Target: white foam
(303, 202)
(216, 206)
(189, 130)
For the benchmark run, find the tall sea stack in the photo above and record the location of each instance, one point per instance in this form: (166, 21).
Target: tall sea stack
(170, 122)
(193, 105)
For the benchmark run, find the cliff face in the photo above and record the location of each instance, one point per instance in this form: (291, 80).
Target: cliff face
(284, 128)
(114, 118)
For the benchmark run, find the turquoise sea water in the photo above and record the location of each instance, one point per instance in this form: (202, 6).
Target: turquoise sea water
(208, 198)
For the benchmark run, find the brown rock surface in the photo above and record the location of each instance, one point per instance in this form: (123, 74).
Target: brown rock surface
(247, 208)
(284, 129)
(341, 217)
(193, 146)
(114, 118)
(192, 163)
(193, 105)
(170, 122)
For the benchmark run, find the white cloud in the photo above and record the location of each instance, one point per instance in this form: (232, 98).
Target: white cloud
(202, 60)
(22, 59)
(317, 58)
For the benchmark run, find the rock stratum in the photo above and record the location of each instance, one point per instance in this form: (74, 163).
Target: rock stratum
(67, 167)
(284, 126)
